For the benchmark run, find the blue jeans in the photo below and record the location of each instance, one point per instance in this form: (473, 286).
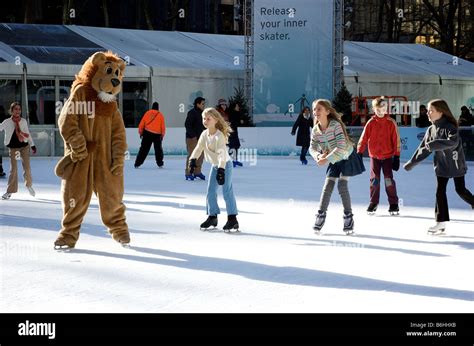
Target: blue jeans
(229, 198)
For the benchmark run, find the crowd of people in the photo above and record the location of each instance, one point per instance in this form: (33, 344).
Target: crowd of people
(212, 133)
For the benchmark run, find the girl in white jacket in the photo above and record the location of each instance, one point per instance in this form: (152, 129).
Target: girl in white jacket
(213, 143)
(18, 140)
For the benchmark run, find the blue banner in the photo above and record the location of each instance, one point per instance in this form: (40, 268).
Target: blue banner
(293, 57)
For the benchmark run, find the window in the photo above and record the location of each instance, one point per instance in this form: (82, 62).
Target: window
(135, 102)
(10, 91)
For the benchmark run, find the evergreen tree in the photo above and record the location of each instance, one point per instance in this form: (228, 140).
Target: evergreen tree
(343, 104)
(239, 98)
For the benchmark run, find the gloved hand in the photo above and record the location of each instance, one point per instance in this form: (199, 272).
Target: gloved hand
(220, 176)
(33, 149)
(396, 163)
(192, 165)
(292, 133)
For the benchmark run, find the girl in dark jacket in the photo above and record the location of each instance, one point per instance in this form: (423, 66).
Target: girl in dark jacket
(443, 139)
(303, 124)
(235, 117)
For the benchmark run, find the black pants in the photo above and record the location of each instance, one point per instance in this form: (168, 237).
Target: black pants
(148, 139)
(304, 151)
(1, 164)
(441, 209)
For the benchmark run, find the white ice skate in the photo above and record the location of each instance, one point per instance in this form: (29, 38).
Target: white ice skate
(31, 191)
(437, 229)
(6, 195)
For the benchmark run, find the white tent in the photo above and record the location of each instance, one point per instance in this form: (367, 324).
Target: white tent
(418, 72)
(181, 66)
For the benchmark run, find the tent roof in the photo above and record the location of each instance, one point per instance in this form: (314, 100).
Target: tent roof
(60, 44)
(403, 59)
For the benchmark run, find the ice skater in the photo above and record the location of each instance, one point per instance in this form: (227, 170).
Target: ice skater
(381, 136)
(19, 141)
(213, 142)
(330, 144)
(302, 128)
(443, 139)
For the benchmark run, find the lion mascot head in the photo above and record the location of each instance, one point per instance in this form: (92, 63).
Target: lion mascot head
(102, 72)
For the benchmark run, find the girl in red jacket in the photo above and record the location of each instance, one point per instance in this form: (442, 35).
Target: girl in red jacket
(382, 137)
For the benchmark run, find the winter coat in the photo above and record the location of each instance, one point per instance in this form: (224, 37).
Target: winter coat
(234, 141)
(332, 141)
(193, 123)
(443, 139)
(214, 148)
(153, 121)
(9, 126)
(304, 126)
(382, 137)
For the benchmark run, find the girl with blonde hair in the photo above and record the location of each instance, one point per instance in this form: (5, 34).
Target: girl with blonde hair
(213, 143)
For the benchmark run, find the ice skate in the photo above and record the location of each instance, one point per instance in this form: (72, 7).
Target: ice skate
(232, 225)
(210, 222)
(200, 176)
(62, 244)
(394, 210)
(31, 191)
(372, 208)
(320, 220)
(348, 224)
(438, 229)
(6, 195)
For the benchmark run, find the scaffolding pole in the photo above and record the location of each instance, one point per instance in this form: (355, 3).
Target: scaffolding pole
(338, 72)
(249, 54)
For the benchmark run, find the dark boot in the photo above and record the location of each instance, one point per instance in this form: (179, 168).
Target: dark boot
(210, 222)
(232, 223)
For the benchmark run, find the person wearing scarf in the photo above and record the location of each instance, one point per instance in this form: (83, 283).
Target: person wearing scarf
(18, 140)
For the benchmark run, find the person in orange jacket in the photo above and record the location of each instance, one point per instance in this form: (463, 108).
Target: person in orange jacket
(152, 130)
(381, 136)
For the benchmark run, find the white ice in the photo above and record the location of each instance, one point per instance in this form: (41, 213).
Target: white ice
(276, 264)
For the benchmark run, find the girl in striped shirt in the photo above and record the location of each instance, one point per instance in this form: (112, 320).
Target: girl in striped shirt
(330, 144)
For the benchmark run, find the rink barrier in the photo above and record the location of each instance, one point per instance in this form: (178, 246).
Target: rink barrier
(262, 141)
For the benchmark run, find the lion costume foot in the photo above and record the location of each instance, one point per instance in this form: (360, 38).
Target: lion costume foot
(122, 237)
(64, 243)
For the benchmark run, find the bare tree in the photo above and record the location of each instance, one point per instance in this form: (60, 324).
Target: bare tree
(444, 22)
(146, 10)
(105, 10)
(68, 5)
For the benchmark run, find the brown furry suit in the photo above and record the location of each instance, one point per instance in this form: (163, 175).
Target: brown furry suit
(94, 149)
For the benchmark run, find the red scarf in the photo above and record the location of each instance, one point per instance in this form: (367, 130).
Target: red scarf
(21, 135)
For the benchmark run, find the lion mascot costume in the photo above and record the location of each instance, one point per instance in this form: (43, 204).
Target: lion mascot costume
(94, 150)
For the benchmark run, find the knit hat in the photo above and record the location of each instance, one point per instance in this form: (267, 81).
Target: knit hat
(222, 102)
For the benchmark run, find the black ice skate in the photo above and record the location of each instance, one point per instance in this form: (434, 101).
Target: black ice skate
(320, 220)
(348, 224)
(210, 222)
(232, 224)
(372, 208)
(393, 209)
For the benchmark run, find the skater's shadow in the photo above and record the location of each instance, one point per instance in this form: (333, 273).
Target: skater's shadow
(181, 206)
(320, 241)
(140, 194)
(421, 217)
(278, 274)
(55, 226)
